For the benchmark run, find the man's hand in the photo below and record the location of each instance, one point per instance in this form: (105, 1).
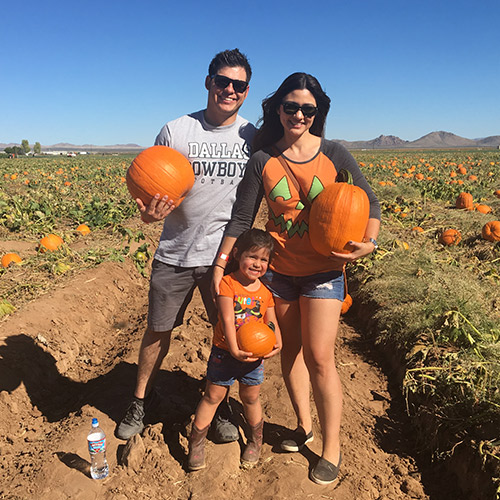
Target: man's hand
(157, 210)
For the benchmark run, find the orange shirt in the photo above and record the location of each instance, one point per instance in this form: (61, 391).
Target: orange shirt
(248, 306)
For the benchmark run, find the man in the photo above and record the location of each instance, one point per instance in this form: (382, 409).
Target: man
(217, 142)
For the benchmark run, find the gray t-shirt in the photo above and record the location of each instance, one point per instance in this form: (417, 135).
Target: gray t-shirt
(193, 231)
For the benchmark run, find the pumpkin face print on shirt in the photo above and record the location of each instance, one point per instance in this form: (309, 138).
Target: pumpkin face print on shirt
(246, 309)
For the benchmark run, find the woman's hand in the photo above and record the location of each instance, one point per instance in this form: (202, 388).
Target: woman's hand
(157, 210)
(361, 249)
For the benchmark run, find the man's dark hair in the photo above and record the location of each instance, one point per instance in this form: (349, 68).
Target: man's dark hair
(231, 58)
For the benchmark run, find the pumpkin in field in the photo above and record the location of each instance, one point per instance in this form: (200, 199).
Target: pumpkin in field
(491, 231)
(497, 193)
(50, 243)
(450, 237)
(256, 337)
(464, 201)
(339, 214)
(83, 229)
(11, 258)
(160, 169)
(484, 209)
(346, 304)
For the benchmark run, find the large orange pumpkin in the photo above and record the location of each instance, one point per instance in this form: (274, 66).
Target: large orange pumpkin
(491, 231)
(464, 201)
(339, 214)
(256, 337)
(160, 169)
(11, 258)
(50, 243)
(450, 237)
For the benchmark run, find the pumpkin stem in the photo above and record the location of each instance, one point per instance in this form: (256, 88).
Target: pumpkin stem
(344, 176)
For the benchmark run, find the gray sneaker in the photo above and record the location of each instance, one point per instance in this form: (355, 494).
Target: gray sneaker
(223, 429)
(132, 423)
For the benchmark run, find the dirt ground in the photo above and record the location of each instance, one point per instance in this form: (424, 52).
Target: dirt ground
(71, 355)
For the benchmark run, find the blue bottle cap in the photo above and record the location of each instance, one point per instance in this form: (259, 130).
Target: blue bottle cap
(95, 422)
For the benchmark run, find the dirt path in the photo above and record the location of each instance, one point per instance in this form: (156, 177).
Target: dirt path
(72, 355)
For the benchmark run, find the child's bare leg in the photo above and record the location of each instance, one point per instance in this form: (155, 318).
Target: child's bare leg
(249, 395)
(207, 407)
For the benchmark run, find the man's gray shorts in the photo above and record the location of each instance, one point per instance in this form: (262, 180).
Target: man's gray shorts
(170, 291)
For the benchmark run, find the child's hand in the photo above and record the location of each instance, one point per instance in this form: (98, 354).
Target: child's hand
(276, 350)
(244, 356)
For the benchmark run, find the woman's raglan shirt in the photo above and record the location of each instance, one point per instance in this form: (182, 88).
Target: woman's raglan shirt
(288, 219)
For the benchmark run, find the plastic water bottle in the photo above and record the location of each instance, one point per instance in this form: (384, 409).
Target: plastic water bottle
(97, 448)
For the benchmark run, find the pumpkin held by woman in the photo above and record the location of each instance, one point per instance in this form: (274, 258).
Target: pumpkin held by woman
(339, 214)
(256, 337)
(160, 169)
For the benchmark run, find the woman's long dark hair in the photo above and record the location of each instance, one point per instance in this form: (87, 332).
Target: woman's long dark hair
(271, 130)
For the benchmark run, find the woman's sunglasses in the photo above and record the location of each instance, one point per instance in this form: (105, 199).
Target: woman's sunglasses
(223, 82)
(308, 110)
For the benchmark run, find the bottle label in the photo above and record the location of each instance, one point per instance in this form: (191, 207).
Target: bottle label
(97, 446)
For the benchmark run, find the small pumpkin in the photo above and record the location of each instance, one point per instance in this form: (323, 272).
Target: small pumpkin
(160, 169)
(339, 214)
(11, 258)
(491, 231)
(484, 209)
(464, 201)
(497, 193)
(83, 229)
(450, 237)
(417, 229)
(256, 337)
(346, 304)
(50, 243)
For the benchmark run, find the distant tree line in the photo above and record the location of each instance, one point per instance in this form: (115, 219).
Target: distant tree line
(24, 148)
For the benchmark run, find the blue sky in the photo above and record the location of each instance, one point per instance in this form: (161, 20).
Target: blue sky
(109, 72)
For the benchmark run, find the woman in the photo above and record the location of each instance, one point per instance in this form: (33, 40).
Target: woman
(291, 165)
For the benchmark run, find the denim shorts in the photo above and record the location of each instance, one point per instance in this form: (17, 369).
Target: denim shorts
(329, 285)
(223, 369)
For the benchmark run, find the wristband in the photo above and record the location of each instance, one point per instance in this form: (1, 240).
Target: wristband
(218, 265)
(223, 256)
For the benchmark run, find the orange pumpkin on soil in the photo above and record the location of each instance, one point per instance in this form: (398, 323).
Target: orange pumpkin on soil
(339, 214)
(484, 209)
(450, 237)
(256, 337)
(346, 305)
(491, 231)
(11, 258)
(160, 169)
(50, 243)
(497, 193)
(464, 201)
(83, 229)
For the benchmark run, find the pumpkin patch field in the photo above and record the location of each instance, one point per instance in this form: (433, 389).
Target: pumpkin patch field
(418, 350)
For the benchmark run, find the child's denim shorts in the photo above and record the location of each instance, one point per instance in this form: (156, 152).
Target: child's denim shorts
(329, 285)
(223, 369)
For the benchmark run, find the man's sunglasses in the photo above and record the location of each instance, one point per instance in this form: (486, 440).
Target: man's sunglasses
(308, 110)
(223, 82)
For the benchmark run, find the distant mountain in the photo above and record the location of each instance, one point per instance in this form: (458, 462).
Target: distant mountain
(89, 148)
(434, 140)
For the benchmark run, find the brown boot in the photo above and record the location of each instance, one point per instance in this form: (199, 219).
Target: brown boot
(252, 451)
(196, 456)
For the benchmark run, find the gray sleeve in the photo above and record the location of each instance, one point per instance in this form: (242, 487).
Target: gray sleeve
(248, 198)
(342, 159)
(163, 138)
